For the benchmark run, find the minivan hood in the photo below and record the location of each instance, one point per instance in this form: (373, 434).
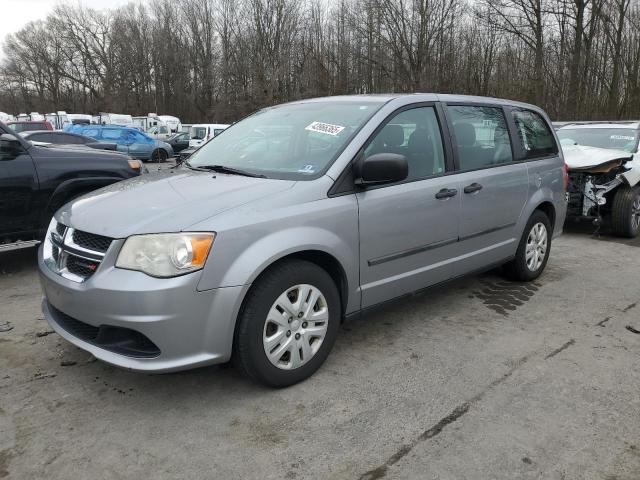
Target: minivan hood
(167, 201)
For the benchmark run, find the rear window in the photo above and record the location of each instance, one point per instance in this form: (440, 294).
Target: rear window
(534, 134)
(42, 137)
(28, 127)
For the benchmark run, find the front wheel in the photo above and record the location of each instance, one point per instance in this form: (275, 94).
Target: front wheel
(625, 212)
(159, 155)
(533, 250)
(288, 325)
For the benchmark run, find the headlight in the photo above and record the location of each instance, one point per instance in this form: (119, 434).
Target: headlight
(166, 254)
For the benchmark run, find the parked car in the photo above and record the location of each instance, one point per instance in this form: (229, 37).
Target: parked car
(36, 180)
(26, 126)
(201, 133)
(179, 141)
(186, 153)
(604, 172)
(297, 217)
(129, 140)
(66, 138)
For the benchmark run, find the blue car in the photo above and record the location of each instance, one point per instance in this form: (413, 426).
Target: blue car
(129, 140)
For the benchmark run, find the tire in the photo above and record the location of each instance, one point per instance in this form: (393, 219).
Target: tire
(256, 332)
(159, 155)
(525, 269)
(625, 212)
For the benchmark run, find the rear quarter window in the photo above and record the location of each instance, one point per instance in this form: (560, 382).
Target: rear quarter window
(534, 134)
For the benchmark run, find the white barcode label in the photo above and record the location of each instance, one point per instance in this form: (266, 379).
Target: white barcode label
(327, 128)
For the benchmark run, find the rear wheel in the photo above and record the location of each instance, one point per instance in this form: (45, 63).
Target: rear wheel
(159, 155)
(533, 249)
(288, 325)
(625, 212)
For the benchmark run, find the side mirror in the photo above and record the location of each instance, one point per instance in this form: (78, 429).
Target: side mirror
(382, 168)
(9, 143)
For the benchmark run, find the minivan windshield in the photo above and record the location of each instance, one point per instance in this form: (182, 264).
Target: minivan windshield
(293, 141)
(612, 138)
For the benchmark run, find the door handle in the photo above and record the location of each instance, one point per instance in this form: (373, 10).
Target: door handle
(474, 187)
(446, 193)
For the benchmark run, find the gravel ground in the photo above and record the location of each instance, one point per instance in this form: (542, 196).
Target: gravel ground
(484, 379)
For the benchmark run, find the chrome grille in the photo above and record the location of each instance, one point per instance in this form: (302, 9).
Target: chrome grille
(91, 241)
(74, 254)
(60, 228)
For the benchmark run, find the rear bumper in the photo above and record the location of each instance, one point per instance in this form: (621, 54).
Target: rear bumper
(190, 328)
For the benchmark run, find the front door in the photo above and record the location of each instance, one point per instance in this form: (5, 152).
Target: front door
(408, 230)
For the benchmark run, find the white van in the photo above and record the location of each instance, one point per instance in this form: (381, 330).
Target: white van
(146, 123)
(201, 133)
(5, 117)
(79, 118)
(58, 120)
(114, 119)
(31, 117)
(160, 132)
(173, 123)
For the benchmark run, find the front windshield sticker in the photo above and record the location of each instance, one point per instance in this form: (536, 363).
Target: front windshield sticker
(621, 137)
(307, 169)
(327, 128)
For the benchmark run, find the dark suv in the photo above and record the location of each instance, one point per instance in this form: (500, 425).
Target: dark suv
(36, 180)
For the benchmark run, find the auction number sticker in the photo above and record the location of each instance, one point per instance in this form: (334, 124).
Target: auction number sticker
(327, 128)
(621, 137)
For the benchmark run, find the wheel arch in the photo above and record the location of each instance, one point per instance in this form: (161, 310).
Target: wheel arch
(322, 259)
(549, 210)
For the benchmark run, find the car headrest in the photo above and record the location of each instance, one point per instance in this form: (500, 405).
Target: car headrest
(465, 134)
(420, 141)
(392, 135)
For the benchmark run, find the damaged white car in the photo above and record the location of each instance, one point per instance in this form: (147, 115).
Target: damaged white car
(604, 173)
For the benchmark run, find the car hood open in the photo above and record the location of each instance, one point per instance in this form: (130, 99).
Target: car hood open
(167, 201)
(593, 159)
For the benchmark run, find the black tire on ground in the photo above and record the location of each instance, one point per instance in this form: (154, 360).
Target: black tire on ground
(249, 355)
(159, 155)
(517, 269)
(625, 212)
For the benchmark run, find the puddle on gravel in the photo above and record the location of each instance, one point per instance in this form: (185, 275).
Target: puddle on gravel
(503, 296)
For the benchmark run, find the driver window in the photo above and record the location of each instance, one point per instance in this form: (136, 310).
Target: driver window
(414, 133)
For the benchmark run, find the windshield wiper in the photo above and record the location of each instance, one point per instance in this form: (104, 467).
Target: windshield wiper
(225, 169)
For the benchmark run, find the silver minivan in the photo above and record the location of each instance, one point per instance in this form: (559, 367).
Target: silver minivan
(296, 218)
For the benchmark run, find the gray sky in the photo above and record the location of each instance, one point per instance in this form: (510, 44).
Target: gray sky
(14, 14)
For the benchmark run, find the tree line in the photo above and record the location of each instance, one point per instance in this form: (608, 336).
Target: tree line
(218, 60)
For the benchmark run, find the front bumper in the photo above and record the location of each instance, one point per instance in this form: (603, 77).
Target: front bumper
(190, 328)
